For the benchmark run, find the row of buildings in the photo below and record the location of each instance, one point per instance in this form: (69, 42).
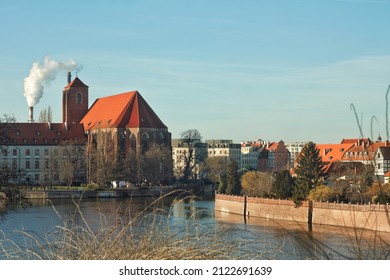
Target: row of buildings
(266, 156)
(123, 126)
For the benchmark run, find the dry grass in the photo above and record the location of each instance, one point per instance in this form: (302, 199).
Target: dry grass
(144, 236)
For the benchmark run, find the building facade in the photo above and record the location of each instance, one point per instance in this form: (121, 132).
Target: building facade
(117, 127)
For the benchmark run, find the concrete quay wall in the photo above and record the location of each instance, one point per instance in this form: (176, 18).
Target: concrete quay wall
(370, 216)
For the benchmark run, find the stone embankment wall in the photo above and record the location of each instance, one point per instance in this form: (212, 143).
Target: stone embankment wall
(369, 216)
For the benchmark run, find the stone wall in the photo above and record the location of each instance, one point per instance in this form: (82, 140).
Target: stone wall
(370, 216)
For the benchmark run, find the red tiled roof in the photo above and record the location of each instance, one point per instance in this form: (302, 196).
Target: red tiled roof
(273, 146)
(355, 140)
(333, 152)
(45, 133)
(127, 109)
(76, 83)
(387, 174)
(364, 151)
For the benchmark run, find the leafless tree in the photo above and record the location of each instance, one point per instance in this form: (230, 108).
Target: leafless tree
(46, 115)
(189, 139)
(73, 167)
(156, 164)
(7, 125)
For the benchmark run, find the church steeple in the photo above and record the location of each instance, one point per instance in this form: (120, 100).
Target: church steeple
(74, 101)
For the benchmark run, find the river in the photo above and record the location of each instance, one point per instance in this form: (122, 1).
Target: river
(266, 239)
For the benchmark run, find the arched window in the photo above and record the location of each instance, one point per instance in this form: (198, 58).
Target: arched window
(144, 142)
(78, 98)
(133, 142)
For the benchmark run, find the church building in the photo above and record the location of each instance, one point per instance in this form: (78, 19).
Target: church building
(119, 127)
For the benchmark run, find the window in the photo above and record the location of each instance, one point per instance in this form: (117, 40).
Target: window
(37, 152)
(46, 163)
(46, 152)
(28, 152)
(14, 152)
(37, 164)
(78, 98)
(37, 177)
(28, 164)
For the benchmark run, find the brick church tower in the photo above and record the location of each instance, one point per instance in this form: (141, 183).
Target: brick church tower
(74, 101)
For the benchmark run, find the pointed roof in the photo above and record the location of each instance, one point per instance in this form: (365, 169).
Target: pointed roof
(75, 83)
(126, 110)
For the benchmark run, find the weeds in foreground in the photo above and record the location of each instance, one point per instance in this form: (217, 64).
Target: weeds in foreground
(147, 235)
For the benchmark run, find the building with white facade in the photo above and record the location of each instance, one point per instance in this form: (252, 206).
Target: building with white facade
(250, 151)
(224, 148)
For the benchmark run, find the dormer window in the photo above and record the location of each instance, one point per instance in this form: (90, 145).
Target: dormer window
(18, 133)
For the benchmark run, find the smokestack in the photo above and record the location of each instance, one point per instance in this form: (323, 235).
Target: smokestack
(31, 114)
(69, 77)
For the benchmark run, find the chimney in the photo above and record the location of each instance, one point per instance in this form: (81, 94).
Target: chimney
(69, 77)
(31, 114)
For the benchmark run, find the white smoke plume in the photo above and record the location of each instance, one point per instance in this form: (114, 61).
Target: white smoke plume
(43, 74)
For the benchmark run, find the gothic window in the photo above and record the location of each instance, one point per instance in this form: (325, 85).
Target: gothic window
(144, 142)
(78, 98)
(133, 142)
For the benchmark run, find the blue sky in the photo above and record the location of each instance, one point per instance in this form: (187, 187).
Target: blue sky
(275, 70)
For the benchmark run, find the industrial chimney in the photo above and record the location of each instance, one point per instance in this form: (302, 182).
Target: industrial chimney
(31, 114)
(69, 77)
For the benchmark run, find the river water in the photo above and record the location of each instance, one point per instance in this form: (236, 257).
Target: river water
(264, 238)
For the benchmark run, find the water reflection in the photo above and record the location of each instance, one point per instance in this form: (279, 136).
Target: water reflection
(260, 238)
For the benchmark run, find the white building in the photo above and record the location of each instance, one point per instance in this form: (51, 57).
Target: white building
(250, 151)
(224, 148)
(180, 151)
(295, 148)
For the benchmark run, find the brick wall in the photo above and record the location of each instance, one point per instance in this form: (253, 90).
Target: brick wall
(370, 216)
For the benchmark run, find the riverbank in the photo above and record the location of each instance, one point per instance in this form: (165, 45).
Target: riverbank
(150, 191)
(368, 216)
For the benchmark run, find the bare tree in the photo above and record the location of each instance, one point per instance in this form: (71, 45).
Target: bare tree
(156, 164)
(73, 164)
(8, 172)
(189, 139)
(214, 168)
(46, 115)
(7, 125)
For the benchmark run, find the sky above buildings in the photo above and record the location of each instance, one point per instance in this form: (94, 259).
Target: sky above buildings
(242, 70)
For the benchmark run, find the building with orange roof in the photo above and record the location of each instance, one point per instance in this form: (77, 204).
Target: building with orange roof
(50, 153)
(118, 126)
(274, 157)
(356, 151)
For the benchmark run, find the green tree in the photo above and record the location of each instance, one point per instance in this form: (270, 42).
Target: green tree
(233, 179)
(283, 184)
(222, 187)
(309, 172)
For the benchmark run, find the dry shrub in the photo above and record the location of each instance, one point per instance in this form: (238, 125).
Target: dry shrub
(323, 193)
(378, 193)
(147, 236)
